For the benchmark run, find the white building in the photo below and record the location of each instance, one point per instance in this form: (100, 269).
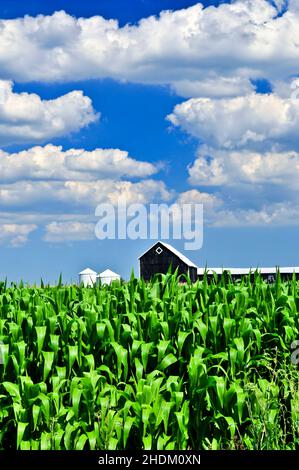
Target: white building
(88, 277)
(106, 277)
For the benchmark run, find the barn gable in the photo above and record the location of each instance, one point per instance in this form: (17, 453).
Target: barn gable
(160, 257)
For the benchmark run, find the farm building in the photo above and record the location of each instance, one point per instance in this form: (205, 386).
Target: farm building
(159, 257)
(268, 274)
(106, 277)
(89, 278)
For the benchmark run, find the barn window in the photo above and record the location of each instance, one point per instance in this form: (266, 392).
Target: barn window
(159, 250)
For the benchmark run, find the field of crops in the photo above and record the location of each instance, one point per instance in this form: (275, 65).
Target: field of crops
(160, 365)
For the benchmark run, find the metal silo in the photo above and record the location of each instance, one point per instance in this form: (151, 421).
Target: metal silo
(88, 277)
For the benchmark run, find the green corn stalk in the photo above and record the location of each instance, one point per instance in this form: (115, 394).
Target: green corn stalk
(159, 365)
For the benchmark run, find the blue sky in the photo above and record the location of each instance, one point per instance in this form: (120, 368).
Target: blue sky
(209, 107)
(124, 12)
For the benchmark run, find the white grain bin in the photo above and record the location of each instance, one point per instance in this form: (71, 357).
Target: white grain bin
(106, 277)
(88, 277)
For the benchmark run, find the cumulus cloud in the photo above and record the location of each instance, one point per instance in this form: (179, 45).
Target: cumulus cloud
(51, 162)
(216, 87)
(277, 214)
(16, 226)
(240, 122)
(25, 117)
(65, 209)
(255, 188)
(59, 190)
(15, 234)
(92, 193)
(193, 196)
(57, 232)
(237, 39)
(220, 211)
(218, 168)
(210, 54)
(78, 194)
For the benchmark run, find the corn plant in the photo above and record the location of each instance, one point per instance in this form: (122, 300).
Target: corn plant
(159, 365)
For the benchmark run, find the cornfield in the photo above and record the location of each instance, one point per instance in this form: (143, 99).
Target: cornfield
(160, 365)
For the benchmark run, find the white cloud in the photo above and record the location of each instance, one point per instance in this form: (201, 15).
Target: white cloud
(15, 234)
(256, 188)
(66, 209)
(52, 163)
(218, 168)
(250, 120)
(208, 171)
(209, 54)
(277, 214)
(59, 190)
(216, 87)
(193, 196)
(25, 117)
(219, 212)
(93, 193)
(78, 194)
(244, 38)
(57, 232)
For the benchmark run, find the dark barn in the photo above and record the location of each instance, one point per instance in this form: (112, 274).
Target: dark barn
(160, 257)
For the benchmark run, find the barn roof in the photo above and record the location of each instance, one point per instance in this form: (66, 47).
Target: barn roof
(294, 269)
(176, 252)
